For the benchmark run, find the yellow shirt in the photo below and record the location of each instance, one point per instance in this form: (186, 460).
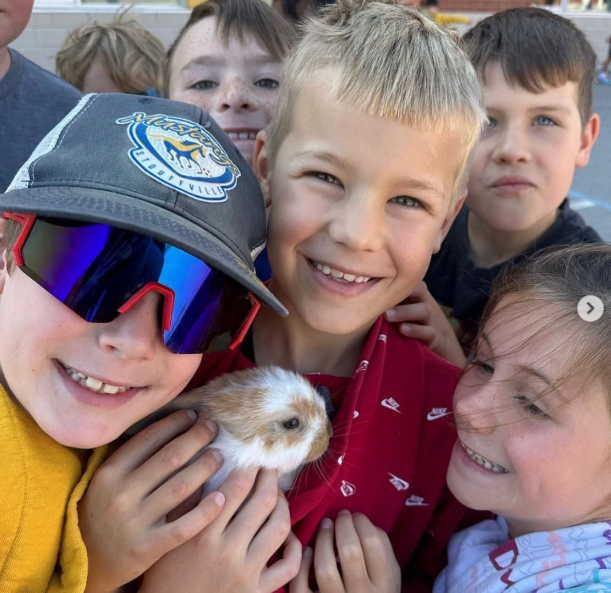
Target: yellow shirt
(41, 482)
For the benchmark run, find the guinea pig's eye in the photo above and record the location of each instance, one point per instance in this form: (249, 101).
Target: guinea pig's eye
(291, 423)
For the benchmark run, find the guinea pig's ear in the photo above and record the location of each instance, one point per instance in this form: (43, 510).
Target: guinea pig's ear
(262, 166)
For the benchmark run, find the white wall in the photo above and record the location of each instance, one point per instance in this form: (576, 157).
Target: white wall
(48, 28)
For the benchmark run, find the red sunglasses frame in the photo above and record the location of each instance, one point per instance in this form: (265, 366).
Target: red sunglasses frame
(28, 220)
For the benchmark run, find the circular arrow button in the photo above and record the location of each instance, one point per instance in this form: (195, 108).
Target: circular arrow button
(590, 308)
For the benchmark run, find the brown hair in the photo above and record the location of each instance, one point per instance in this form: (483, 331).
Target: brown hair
(11, 233)
(535, 49)
(132, 56)
(550, 284)
(243, 18)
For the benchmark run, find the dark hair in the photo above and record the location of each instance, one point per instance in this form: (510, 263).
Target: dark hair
(549, 285)
(243, 18)
(535, 48)
(12, 230)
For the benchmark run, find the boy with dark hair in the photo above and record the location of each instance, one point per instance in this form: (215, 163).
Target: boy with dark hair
(536, 70)
(32, 100)
(125, 258)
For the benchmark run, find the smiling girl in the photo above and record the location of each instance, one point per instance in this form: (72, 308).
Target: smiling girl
(534, 433)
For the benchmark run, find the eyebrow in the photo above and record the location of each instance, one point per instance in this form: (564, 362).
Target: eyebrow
(219, 61)
(333, 159)
(536, 108)
(530, 371)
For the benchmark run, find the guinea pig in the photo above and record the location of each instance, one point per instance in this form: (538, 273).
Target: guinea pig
(267, 417)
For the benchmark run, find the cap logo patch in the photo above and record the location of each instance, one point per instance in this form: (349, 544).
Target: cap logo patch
(182, 155)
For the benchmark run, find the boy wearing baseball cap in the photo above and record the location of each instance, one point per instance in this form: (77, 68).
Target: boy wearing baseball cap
(128, 239)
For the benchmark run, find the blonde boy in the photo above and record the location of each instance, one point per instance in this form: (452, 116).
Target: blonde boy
(363, 169)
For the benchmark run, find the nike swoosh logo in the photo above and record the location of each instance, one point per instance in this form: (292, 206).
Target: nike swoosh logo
(431, 416)
(394, 408)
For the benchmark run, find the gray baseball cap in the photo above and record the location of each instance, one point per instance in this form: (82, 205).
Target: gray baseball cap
(156, 167)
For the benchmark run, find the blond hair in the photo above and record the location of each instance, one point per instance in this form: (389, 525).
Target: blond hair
(132, 57)
(390, 62)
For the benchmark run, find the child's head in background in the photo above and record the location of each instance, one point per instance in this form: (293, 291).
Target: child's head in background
(227, 61)
(117, 57)
(364, 161)
(536, 70)
(533, 407)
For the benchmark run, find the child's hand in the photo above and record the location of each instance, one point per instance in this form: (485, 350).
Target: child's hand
(368, 563)
(123, 513)
(422, 318)
(232, 553)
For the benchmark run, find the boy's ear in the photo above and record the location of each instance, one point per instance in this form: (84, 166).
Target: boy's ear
(588, 138)
(447, 223)
(262, 166)
(3, 270)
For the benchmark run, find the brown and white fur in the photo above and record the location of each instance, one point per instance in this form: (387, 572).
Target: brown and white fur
(254, 410)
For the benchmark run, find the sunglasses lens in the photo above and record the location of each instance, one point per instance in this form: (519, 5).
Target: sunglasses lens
(94, 269)
(210, 309)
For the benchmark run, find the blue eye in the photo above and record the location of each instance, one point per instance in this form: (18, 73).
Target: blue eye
(491, 123)
(407, 201)
(205, 85)
(481, 365)
(327, 178)
(542, 120)
(267, 83)
(530, 408)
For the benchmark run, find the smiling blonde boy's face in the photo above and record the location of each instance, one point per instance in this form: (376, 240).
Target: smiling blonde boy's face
(358, 206)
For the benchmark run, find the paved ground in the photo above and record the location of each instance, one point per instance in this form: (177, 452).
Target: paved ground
(591, 190)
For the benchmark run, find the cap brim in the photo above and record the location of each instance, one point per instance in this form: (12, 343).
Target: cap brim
(97, 205)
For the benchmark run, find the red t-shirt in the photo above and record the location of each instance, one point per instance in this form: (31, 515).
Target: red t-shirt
(388, 456)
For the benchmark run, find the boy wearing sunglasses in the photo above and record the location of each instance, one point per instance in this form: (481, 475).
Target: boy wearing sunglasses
(128, 240)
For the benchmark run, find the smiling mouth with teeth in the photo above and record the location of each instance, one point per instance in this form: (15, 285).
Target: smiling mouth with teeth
(338, 275)
(242, 135)
(93, 384)
(490, 465)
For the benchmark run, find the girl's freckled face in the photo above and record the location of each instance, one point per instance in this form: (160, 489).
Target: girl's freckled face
(237, 83)
(515, 408)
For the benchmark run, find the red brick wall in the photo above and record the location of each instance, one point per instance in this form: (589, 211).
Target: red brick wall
(482, 5)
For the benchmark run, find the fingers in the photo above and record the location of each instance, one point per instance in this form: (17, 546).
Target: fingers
(377, 551)
(258, 507)
(236, 488)
(273, 533)
(148, 441)
(190, 524)
(285, 569)
(325, 565)
(172, 456)
(418, 312)
(425, 333)
(350, 552)
(390, 554)
(300, 584)
(181, 486)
